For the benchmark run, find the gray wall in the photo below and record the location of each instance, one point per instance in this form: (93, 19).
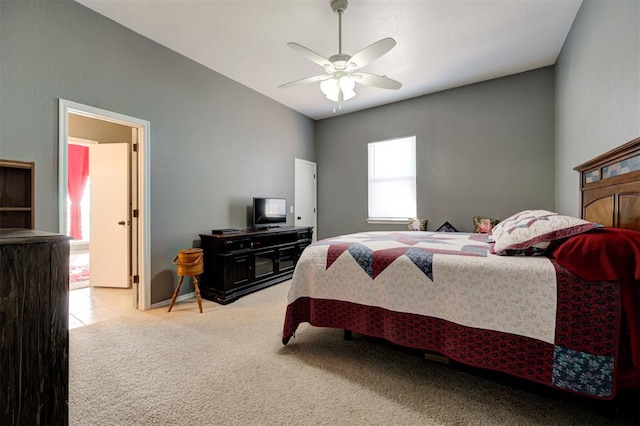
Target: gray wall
(214, 143)
(597, 91)
(484, 149)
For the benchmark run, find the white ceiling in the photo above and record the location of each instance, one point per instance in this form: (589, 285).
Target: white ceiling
(441, 44)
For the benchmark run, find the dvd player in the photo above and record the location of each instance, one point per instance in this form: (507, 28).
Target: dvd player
(224, 231)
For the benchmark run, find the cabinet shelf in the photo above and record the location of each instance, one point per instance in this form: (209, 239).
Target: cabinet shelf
(244, 262)
(16, 194)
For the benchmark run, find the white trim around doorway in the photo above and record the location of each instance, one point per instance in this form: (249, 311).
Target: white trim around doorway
(144, 223)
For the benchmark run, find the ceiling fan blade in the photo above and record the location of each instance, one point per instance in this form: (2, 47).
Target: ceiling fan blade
(313, 79)
(310, 54)
(372, 52)
(374, 80)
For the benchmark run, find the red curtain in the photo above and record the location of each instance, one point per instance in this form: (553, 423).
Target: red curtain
(78, 171)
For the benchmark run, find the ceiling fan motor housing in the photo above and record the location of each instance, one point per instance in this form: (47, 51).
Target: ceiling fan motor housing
(339, 61)
(339, 5)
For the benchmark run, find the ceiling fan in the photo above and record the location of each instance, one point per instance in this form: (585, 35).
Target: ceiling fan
(342, 70)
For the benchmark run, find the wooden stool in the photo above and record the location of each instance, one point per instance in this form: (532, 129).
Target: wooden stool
(188, 264)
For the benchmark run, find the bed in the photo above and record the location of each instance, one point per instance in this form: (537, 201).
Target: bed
(545, 297)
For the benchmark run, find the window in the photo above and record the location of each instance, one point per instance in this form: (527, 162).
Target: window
(85, 208)
(392, 180)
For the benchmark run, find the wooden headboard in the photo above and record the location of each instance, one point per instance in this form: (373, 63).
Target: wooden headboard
(610, 187)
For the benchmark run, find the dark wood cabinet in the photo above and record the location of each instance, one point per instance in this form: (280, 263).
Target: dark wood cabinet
(239, 263)
(34, 335)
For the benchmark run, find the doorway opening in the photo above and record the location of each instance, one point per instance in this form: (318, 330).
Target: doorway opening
(79, 198)
(78, 208)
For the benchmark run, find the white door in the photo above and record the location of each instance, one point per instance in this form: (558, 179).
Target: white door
(109, 245)
(305, 197)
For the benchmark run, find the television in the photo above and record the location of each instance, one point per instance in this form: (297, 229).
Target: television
(269, 212)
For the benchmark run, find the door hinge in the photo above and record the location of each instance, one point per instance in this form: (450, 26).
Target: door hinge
(136, 279)
(135, 213)
(135, 147)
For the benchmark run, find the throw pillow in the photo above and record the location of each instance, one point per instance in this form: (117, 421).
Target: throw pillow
(483, 225)
(446, 227)
(418, 224)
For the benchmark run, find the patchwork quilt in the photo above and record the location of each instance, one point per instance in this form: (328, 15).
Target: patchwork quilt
(447, 293)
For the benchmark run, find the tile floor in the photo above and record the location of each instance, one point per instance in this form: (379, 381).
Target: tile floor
(94, 304)
(88, 305)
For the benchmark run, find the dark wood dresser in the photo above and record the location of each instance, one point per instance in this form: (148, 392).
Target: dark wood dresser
(34, 316)
(239, 263)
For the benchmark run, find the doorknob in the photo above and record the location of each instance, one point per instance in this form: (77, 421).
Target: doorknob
(299, 217)
(122, 222)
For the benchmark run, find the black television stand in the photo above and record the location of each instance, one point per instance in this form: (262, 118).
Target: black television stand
(239, 263)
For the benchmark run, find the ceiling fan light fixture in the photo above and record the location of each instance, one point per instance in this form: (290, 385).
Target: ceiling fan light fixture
(333, 86)
(339, 81)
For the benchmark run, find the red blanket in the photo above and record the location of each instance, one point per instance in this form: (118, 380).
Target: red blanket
(602, 254)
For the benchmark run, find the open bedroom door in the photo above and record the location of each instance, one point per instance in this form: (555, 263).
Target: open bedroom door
(110, 221)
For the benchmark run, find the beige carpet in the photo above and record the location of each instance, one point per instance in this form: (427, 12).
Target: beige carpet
(228, 366)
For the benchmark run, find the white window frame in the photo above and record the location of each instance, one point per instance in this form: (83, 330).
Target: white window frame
(408, 172)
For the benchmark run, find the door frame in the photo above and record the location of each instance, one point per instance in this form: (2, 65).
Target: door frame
(143, 237)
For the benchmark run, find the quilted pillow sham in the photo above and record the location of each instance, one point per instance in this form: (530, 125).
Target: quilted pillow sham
(529, 233)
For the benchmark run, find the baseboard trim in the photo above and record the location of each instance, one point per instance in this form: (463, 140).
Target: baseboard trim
(180, 298)
(78, 246)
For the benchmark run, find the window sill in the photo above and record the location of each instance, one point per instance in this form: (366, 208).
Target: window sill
(388, 221)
